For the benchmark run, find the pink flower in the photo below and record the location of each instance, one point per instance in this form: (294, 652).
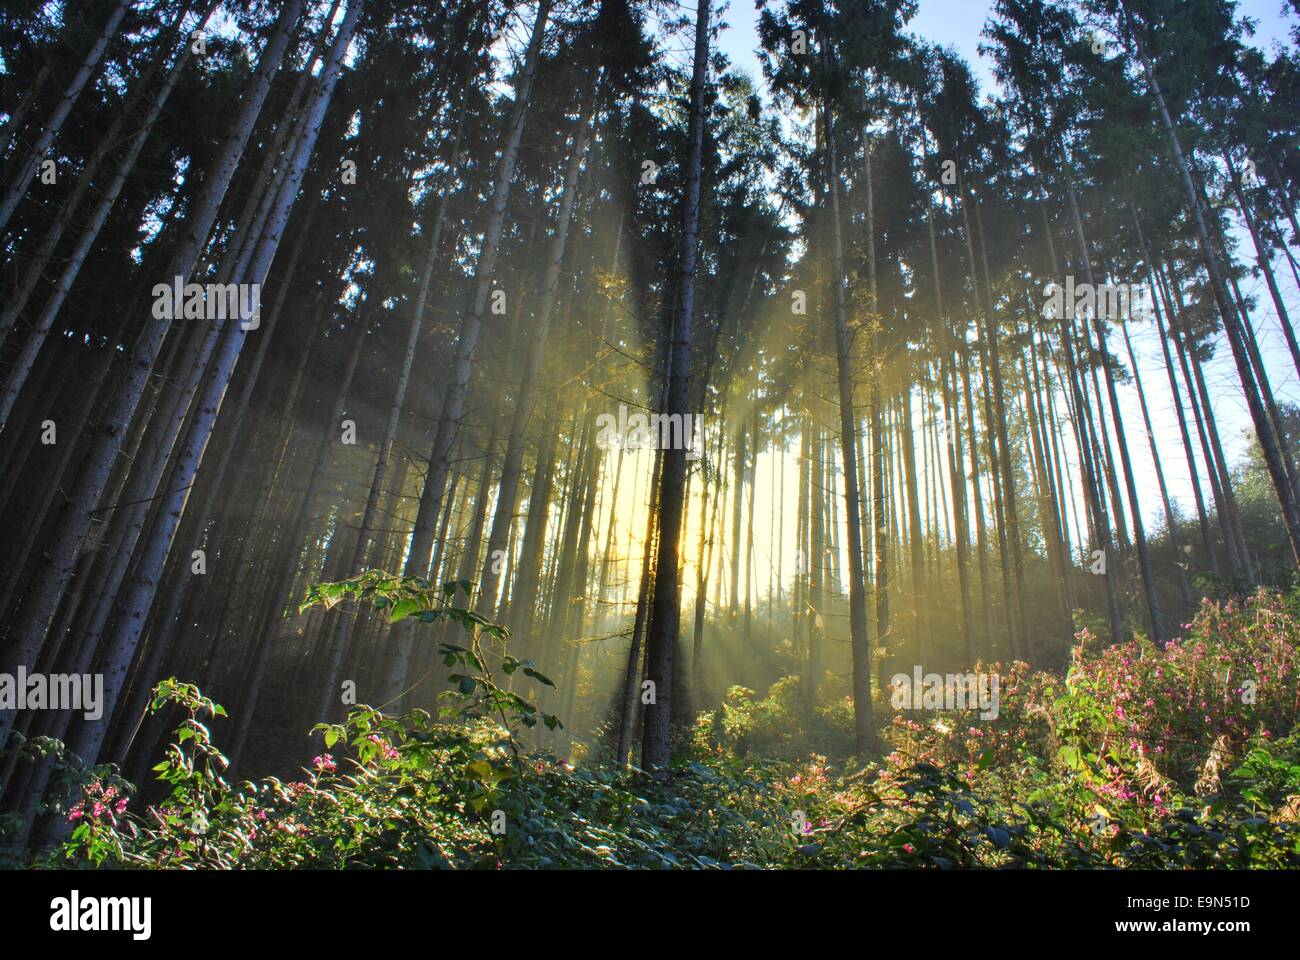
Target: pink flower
(324, 763)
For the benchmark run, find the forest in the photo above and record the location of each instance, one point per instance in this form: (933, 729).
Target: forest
(649, 434)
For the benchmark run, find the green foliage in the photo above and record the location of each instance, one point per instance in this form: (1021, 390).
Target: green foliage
(1066, 776)
(69, 776)
(415, 597)
(405, 597)
(784, 724)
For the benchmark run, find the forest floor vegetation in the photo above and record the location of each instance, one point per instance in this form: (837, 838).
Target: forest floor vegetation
(1181, 757)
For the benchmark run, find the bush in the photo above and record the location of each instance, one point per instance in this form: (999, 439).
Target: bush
(1179, 757)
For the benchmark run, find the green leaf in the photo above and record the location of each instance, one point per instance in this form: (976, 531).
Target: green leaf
(403, 609)
(530, 672)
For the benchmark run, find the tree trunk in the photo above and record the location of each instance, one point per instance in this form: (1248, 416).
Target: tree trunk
(40, 147)
(59, 561)
(1263, 429)
(661, 641)
(453, 409)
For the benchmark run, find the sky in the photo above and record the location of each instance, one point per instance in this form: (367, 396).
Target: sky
(959, 23)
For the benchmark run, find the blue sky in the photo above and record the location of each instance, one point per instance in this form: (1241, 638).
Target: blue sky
(958, 23)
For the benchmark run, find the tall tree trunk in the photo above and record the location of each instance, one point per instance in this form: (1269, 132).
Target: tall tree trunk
(957, 470)
(39, 262)
(1121, 441)
(1207, 540)
(1094, 494)
(508, 490)
(977, 491)
(453, 409)
(661, 641)
(59, 561)
(864, 733)
(141, 591)
(40, 147)
(1263, 429)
